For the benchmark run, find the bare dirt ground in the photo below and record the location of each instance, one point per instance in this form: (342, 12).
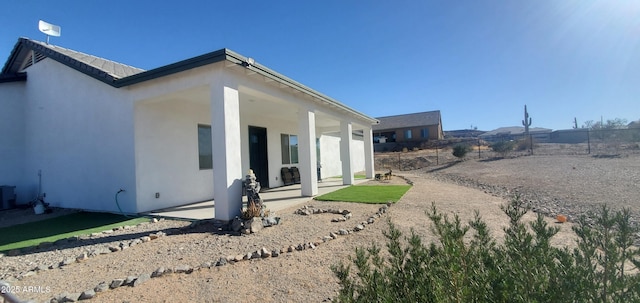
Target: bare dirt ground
(569, 185)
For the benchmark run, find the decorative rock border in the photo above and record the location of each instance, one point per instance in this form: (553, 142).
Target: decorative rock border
(87, 254)
(308, 210)
(263, 253)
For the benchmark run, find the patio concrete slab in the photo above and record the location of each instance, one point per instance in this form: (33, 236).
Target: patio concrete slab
(275, 199)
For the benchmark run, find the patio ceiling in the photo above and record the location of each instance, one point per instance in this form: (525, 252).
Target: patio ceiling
(253, 104)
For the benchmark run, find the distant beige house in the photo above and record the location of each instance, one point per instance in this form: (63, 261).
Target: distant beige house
(409, 128)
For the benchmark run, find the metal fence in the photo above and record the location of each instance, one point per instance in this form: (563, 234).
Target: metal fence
(598, 143)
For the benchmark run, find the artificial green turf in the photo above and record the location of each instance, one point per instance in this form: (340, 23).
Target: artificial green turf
(374, 194)
(50, 230)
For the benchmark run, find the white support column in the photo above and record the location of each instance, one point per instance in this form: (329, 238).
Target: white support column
(307, 153)
(368, 153)
(346, 131)
(227, 162)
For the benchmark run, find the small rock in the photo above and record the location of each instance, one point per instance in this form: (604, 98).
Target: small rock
(247, 256)
(255, 224)
(158, 272)
(73, 297)
(333, 235)
(108, 231)
(153, 236)
(256, 254)
(327, 238)
(145, 239)
(238, 258)
(300, 247)
(29, 274)
(237, 224)
(291, 248)
(129, 280)
(335, 220)
(87, 294)
(345, 212)
(41, 268)
(275, 253)
(246, 231)
(371, 220)
(154, 220)
(103, 286)
(343, 232)
(186, 269)
(359, 227)
(141, 279)
(205, 265)
(82, 257)
(67, 261)
(115, 283)
(265, 253)
(221, 262)
(348, 216)
(113, 248)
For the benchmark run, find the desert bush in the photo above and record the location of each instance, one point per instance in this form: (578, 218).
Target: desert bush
(503, 148)
(523, 144)
(460, 150)
(522, 268)
(250, 211)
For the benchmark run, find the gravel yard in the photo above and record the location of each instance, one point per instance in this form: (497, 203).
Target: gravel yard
(568, 185)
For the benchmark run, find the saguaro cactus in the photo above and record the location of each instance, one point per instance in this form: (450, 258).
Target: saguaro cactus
(526, 123)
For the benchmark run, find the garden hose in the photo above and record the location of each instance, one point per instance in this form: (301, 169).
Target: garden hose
(118, 204)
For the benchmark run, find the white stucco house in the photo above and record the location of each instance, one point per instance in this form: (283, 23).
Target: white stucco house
(182, 133)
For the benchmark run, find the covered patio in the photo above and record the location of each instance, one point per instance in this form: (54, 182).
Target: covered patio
(198, 131)
(276, 200)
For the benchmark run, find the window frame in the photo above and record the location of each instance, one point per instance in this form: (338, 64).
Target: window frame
(289, 149)
(205, 160)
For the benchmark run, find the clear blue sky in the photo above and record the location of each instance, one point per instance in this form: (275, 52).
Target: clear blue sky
(477, 61)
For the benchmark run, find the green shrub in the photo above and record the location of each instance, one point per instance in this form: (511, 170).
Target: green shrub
(460, 150)
(503, 148)
(523, 268)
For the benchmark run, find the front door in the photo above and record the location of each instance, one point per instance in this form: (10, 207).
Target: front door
(258, 154)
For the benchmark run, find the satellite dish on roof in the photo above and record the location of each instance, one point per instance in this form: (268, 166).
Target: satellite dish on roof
(49, 29)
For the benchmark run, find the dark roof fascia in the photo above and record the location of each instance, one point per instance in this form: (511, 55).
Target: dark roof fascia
(209, 58)
(17, 77)
(68, 61)
(233, 57)
(12, 57)
(180, 66)
(277, 77)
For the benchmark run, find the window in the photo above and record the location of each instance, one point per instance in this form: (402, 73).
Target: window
(424, 133)
(289, 145)
(407, 134)
(205, 153)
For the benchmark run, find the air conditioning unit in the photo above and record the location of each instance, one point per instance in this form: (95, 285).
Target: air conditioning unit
(7, 197)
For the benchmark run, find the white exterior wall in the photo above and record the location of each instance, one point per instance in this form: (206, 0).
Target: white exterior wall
(330, 155)
(12, 143)
(167, 154)
(90, 140)
(79, 132)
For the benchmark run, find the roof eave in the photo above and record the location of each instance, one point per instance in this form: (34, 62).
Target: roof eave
(235, 58)
(282, 79)
(17, 77)
(180, 66)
